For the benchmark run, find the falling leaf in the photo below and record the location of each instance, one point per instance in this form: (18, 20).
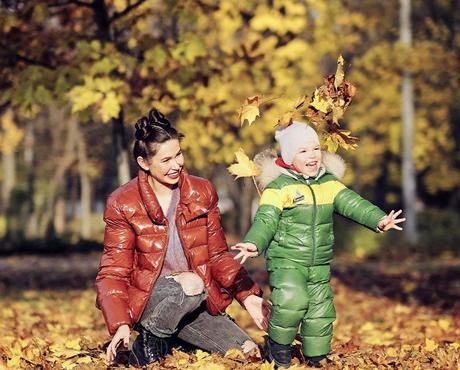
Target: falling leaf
(286, 119)
(300, 102)
(249, 111)
(244, 166)
(320, 103)
(339, 74)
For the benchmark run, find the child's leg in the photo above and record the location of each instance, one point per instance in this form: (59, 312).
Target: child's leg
(290, 302)
(316, 330)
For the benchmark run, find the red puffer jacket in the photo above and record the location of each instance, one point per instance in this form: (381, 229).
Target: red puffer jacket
(135, 241)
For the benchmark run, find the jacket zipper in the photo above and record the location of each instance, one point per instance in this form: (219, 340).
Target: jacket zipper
(313, 253)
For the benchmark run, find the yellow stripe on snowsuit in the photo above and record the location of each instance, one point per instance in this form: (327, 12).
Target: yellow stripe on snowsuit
(272, 197)
(291, 195)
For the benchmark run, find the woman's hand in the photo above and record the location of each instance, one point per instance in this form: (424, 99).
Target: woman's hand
(246, 250)
(259, 309)
(390, 221)
(122, 334)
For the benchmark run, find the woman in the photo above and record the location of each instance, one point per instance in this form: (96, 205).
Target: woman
(166, 271)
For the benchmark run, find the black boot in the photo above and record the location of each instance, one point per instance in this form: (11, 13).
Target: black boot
(280, 353)
(148, 348)
(315, 361)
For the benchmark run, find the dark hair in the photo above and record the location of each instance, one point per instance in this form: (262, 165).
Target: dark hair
(151, 130)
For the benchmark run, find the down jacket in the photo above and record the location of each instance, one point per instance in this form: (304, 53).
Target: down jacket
(294, 219)
(135, 241)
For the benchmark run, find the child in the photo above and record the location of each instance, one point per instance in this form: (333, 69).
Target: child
(294, 226)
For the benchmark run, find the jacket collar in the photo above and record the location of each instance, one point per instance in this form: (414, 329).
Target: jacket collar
(291, 171)
(191, 202)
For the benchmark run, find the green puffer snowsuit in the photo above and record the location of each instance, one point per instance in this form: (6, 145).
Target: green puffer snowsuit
(293, 225)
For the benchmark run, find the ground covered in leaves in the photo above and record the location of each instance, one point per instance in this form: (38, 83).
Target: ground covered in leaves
(391, 315)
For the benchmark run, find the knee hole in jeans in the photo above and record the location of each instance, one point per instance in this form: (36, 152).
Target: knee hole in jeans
(191, 283)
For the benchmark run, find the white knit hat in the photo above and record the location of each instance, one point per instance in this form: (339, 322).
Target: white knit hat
(293, 137)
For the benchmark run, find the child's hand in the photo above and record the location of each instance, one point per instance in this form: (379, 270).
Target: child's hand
(390, 221)
(246, 250)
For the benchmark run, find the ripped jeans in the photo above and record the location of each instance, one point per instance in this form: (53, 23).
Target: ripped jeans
(170, 312)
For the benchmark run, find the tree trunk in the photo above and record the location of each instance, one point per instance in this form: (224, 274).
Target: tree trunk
(121, 149)
(85, 188)
(66, 160)
(242, 193)
(31, 228)
(409, 186)
(59, 222)
(9, 177)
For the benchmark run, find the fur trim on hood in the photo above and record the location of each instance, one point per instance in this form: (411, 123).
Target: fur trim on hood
(333, 163)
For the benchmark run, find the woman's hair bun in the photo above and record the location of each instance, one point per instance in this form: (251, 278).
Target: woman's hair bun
(157, 118)
(145, 126)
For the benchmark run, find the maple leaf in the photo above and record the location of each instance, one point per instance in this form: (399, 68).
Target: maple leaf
(244, 166)
(320, 102)
(249, 111)
(300, 102)
(286, 119)
(339, 74)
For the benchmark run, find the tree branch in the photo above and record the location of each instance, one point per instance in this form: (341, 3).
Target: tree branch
(126, 11)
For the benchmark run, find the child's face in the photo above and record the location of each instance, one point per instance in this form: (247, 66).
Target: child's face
(308, 159)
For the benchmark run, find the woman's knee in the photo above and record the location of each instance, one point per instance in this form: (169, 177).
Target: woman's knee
(190, 282)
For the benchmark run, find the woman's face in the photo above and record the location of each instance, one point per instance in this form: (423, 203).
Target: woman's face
(308, 159)
(166, 164)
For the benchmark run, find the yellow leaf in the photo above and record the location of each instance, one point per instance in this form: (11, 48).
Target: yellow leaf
(444, 324)
(85, 360)
(430, 345)
(68, 365)
(14, 362)
(110, 107)
(300, 102)
(119, 5)
(339, 74)
(211, 366)
(201, 354)
(73, 344)
(286, 119)
(268, 366)
(132, 43)
(249, 110)
(234, 353)
(320, 103)
(392, 352)
(367, 326)
(244, 166)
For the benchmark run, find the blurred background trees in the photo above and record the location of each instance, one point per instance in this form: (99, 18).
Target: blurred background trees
(76, 74)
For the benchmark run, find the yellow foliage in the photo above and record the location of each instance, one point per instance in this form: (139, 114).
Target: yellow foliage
(10, 134)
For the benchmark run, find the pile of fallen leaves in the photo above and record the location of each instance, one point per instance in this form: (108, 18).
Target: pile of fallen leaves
(382, 322)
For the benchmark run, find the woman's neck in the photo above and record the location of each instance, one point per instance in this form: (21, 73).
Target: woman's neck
(160, 189)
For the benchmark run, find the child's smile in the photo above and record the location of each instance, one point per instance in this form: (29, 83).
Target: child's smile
(308, 159)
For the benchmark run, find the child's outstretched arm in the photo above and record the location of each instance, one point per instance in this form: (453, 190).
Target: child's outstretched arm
(351, 205)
